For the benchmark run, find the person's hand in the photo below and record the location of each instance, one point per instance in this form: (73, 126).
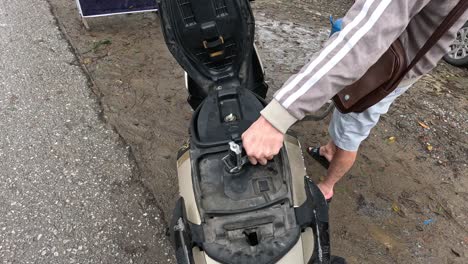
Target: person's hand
(262, 141)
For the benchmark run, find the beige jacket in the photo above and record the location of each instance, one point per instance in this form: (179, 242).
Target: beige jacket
(369, 28)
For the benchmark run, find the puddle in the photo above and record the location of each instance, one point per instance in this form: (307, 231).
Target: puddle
(285, 47)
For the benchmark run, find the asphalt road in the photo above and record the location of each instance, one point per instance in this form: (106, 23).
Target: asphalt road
(69, 193)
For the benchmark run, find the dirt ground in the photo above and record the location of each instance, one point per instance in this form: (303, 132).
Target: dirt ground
(405, 200)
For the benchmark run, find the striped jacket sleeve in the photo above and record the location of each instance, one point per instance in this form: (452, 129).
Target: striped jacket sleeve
(369, 28)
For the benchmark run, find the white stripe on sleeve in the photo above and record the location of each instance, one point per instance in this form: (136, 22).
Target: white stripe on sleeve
(340, 55)
(342, 34)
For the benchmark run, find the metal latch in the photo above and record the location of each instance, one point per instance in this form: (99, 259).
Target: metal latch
(213, 44)
(234, 161)
(215, 48)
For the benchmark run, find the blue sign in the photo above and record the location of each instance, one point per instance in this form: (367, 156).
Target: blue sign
(93, 8)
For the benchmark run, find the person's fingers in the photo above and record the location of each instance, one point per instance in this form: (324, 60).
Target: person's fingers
(270, 157)
(263, 161)
(253, 160)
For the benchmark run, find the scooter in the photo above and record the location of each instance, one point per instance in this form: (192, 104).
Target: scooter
(230, 211)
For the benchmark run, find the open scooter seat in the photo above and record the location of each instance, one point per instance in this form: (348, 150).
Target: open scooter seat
(213, 41)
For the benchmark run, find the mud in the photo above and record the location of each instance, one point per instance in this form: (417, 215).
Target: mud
(405, 200)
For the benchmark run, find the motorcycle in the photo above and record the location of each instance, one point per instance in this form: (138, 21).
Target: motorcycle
(230, 211)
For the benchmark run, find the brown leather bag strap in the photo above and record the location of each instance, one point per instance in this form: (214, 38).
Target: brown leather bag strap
(448, 22)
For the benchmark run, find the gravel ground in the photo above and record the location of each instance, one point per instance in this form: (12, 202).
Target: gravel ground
(69, 190)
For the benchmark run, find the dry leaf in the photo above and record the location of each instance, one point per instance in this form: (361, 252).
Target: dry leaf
(87, 61)
(429, 147)
(395, 207)
(423, 125)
